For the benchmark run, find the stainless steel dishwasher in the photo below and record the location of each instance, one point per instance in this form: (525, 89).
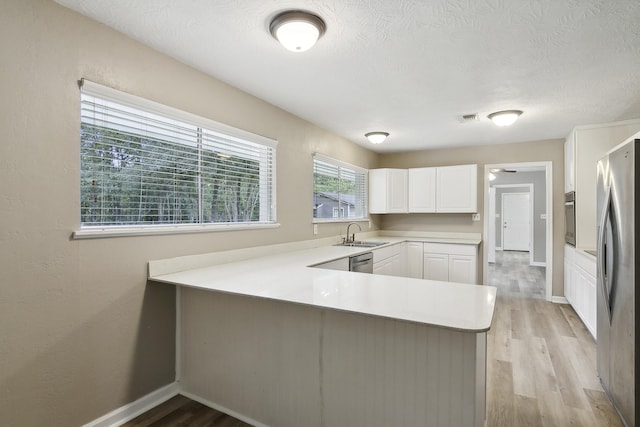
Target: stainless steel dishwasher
(362, 263)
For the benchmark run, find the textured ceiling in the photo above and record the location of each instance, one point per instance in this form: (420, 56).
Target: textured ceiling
(411, 67)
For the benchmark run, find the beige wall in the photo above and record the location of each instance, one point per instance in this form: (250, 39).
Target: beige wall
(81, 332)
(535, 151)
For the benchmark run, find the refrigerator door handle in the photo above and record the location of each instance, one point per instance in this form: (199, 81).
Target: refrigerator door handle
(602, 253)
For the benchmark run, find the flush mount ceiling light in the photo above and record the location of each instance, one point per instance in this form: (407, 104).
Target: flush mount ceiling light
(297, 30)
(504, 118)
(376, 137)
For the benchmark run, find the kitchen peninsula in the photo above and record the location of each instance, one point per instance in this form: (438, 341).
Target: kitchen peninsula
(265, 337)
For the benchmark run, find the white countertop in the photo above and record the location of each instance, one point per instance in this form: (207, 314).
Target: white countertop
(286, 276)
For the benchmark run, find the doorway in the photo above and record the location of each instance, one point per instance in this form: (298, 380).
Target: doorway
(527, 229)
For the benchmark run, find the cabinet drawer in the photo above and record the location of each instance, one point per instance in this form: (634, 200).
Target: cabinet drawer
(449, 248)
(386, 252)
(585, 262)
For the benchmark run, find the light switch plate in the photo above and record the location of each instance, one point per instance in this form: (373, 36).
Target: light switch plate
(315, 229)
(543, 216)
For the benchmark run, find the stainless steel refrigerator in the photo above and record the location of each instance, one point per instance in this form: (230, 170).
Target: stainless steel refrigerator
(618, 293)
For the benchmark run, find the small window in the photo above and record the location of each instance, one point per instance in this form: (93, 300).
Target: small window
(144, 164)
(339, 190)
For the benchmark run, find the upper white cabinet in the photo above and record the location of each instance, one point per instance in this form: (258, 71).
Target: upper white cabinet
(422, 190)
(457, 188)
(445, 189)
(569, 163)
(583, 148)
(388, 191)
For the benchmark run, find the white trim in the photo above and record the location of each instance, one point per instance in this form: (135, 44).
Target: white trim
(131, 410)
(548, 166)
(559, 300)
(223, 409)
(97, 232)
(538, 264)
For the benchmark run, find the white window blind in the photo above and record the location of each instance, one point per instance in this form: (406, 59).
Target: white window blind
(339, 190)
(145, 164)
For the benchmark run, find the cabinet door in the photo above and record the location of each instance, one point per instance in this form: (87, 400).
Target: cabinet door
(457, 188)
(387, 191)
(436, 267)
(422, 190)
(591, 305)
(414, 260)
(569, 163)
(397, 190)
(462, 269)
(384, 267)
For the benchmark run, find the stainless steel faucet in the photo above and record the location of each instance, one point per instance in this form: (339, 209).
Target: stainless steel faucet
(353, 237)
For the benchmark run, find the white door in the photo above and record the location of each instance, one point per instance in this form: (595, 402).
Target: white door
(516, 222)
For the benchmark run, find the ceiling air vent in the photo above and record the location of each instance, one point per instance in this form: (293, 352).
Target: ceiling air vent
(466, 118)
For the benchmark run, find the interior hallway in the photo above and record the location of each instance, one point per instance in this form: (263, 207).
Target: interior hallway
(541, 359)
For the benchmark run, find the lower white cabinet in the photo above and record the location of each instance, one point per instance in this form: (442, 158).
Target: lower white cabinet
(450, 262)
(414, 260)
(580, 285)
(388, 261)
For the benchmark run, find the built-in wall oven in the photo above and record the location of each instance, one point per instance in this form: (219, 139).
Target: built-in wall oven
(570, 218)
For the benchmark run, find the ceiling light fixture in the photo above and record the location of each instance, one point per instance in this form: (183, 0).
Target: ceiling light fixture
(504, 118)
(297, 30)
(376, 137)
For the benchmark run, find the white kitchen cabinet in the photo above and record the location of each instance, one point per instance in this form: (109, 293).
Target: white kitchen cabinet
(422, 190)
(583, 148)
(436, 267)
(388, 191)
(462, 268)
(569, 267)
(414, 260)
(388, 261)
(450, 262)
(569, 163)
(457, 188)
(580, 285)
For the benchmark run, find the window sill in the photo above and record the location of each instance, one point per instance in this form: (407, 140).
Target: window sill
(97, 232)
(338, 220)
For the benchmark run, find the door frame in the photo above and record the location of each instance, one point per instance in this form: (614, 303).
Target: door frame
(531, 218)
(548, 168)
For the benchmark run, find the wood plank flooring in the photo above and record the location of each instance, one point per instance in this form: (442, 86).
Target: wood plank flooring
(184, 412)
(541, 368)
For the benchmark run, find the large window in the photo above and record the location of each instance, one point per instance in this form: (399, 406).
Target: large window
(339, 190)
(144, 164)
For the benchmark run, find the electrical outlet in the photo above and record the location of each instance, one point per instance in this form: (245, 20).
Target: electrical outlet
(543, 216)
(475, 217)
(315, 229)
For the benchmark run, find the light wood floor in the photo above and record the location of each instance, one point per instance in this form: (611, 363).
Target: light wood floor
(541, 358)
(182, 411)
(541, 368)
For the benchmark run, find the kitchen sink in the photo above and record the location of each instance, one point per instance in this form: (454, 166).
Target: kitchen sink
(362, 244)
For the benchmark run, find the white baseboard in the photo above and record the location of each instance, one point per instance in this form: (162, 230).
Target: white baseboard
(223, 409)
(131, 410)
(559, 300)
(538, 264)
